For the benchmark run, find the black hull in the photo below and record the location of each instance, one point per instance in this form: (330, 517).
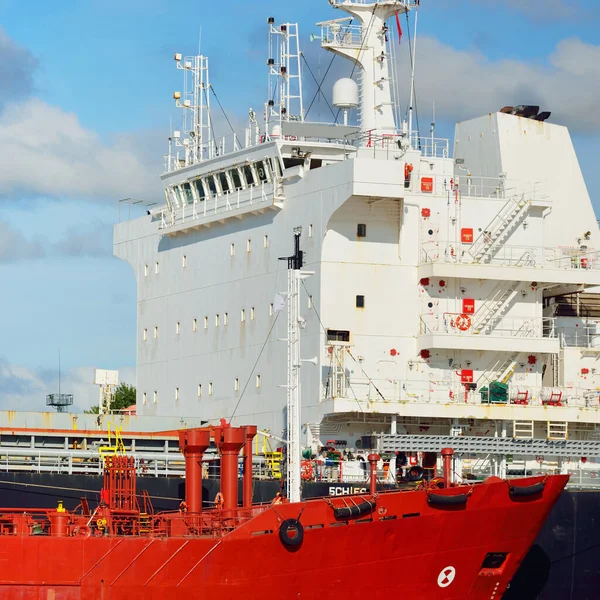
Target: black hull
(564, 564)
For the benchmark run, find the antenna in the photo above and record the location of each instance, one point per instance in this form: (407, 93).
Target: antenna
(59, 401)
(412, 78)
(285, 102)
(294, 363)
(196, 132)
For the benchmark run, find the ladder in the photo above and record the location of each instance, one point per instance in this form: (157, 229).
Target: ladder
(488, 243)
(558, 431)
(502, 370)
(523, 430)
(493, 309)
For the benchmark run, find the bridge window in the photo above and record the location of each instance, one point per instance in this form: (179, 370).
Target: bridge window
(234, 174)
(248, 175)
(187, 193)
(224, 183)
(361, 230)
(360, 301)
(212, 186)
(261, 171)
(199, 190)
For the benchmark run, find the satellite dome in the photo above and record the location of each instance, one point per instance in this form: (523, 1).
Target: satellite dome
(345, 93)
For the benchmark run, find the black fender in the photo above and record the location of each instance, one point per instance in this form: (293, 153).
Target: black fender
(291, 526)
(357, 510)
(526, 490)
(415, 473)
(447, 500)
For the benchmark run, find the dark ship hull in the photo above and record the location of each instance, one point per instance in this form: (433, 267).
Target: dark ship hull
(564, 563)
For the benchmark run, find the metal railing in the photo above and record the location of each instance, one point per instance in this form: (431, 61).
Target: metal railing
(255, 195)
(459, 324)
(513, 256)
(580, 337)
(499, 187)
(431, 147)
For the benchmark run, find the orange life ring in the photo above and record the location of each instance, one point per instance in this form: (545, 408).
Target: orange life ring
(306, 469)
(462, 322)
(219, 500)
(82, 531)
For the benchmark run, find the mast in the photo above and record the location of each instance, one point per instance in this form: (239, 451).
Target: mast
(363, 39)
(294, 325)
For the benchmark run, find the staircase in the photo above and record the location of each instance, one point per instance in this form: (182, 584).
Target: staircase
(494, 235)
(502, 371)
(495, 307)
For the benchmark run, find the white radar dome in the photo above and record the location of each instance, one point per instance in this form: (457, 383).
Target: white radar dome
(345, 93)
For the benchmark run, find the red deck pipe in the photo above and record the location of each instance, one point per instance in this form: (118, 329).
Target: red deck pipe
(250, 433)
(373, 460)
(229, 441)
(447, 455)
(193, 444)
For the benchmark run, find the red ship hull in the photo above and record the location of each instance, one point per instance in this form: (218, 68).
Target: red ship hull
(407, 547)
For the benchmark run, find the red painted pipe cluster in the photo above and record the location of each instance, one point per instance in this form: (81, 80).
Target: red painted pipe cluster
(193, 443)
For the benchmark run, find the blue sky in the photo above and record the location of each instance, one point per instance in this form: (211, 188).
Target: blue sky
(84, 116)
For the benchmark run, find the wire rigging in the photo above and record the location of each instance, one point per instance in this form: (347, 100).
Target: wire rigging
(255, 365)
(224, 113)
(412, 83)
(320, 86)
(354, 359)
(319, 90)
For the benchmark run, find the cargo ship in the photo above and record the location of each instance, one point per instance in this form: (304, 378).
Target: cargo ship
(122, 549)
(451, 303)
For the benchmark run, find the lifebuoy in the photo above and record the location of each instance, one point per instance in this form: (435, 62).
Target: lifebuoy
(83, 531)
(306, 469)
(291, 532)
(462, 322)
(219, 500)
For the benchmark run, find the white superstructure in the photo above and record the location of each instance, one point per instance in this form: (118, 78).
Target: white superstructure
(435, 276)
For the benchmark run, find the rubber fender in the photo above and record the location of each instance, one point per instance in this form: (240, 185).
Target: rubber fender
(446, 500)
(357, 510)
(527, 490)
(415, 473)
(288, 526)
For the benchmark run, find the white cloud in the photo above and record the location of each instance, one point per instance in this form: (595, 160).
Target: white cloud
(466, 84)
(15, 246)
(22, 388)
(46, 151)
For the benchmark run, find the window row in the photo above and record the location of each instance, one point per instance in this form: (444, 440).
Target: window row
(199, 390)
(224, 182)
(361, 232)
(224, 318)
